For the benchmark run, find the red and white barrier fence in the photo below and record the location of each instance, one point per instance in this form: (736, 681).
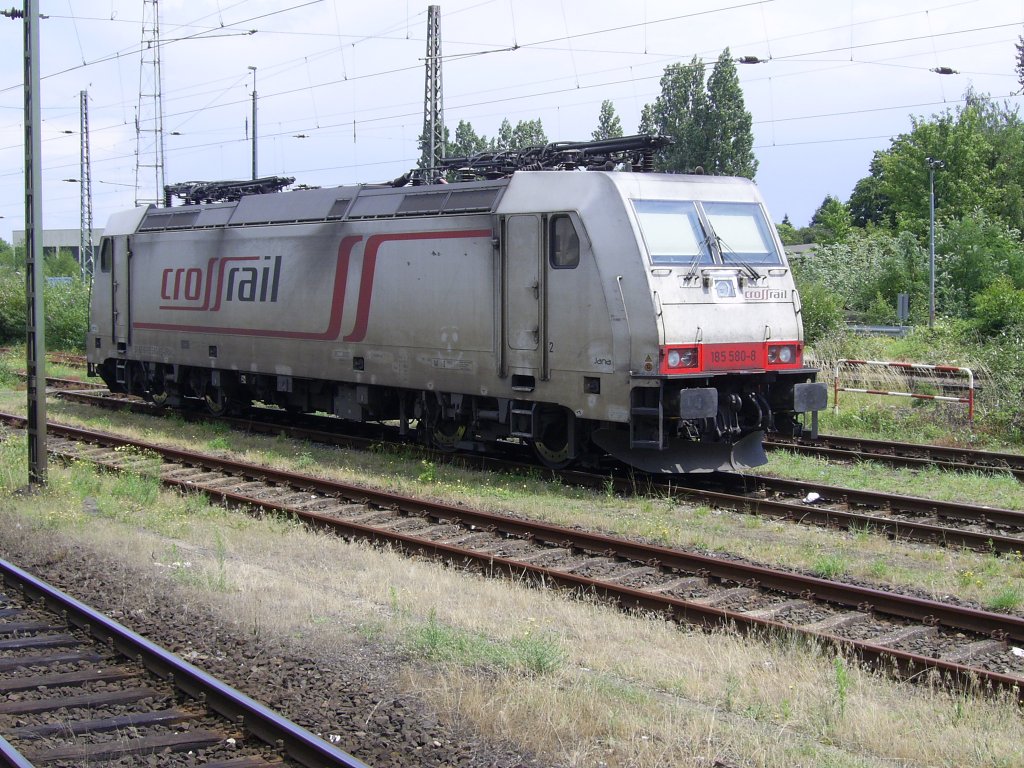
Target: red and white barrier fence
(913, 369)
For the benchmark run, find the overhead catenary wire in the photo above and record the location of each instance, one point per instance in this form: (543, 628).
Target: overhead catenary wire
(473, 107)
(526, 45)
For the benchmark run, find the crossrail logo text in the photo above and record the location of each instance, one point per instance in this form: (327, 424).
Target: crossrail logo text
(257, 280)
(223, 280)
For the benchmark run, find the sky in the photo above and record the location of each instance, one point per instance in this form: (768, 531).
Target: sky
(340, 84)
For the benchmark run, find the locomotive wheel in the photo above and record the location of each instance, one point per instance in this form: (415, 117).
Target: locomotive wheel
(216, 401)
(159, 398)
(446, 434)
(553, 445)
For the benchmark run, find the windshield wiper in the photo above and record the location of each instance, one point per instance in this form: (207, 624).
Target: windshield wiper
(706, 248)
(723, 249)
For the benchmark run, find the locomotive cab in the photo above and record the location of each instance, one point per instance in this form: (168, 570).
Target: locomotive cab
(729, 359)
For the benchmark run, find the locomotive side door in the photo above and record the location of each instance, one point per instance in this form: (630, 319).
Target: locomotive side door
(120, 276)
(522, 260)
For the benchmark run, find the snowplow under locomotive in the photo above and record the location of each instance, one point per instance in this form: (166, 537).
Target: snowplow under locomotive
(648, 316)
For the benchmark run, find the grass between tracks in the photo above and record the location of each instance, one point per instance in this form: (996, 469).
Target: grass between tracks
(580, 683)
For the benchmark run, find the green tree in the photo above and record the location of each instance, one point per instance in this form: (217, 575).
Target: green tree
(998, 306)
(821, 310)
(729, 126)
(503, 141)
(12, 307)
(528, 133)
(66, 307)
(61, 264)
(1004, 131)
(6, 254)
(1020, 60)
(971, 254)
(868, 265)
(788, 234)
(680, 112)
(467, 142)
(831, 222)
(67, 315)
(708, 122)
(982, 148)
(867, 204)
(608, 124)
(424, 148)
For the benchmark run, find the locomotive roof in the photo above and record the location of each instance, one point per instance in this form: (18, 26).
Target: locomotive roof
(355, 203)
(331, 204)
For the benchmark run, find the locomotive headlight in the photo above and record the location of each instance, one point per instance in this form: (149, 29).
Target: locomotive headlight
(680, 357)
(781, 354)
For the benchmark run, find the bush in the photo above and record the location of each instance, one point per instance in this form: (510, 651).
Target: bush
(65, 313)
(821, 311)
(999, 306)
(12, 308)
(868, 270)
(880, 311)
(973, 254)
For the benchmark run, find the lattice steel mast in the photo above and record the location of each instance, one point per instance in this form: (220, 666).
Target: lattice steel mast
(35, 357)
(149, 118)
(85, 254)
(433, 100)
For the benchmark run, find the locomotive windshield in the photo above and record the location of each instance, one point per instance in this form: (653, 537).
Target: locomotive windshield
(743, 234)
(673, 232)
(695, 233)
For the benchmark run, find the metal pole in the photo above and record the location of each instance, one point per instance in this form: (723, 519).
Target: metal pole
(932, 165)
(35, 362)
(254, 172)
(433, 104)
(931, 244)
(85, 248)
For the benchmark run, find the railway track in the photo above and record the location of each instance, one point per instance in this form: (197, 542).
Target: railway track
(965, 646)
(82, 689)
(942, 523)
(61, 358)
(915, 455)
(66, 358)
(933, 521)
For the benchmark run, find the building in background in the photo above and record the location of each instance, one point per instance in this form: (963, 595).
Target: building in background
(55, 240)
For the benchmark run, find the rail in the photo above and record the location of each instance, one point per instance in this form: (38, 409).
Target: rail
(576, 559)
(909, 368)
(294, 741)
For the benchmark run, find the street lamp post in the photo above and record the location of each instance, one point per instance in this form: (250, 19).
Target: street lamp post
(932, 165)
(254, 174)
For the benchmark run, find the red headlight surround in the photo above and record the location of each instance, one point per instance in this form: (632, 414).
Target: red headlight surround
(680, 358)
(784, 355)
(733, 356)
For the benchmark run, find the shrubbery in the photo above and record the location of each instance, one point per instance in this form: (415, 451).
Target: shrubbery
(998, 307)
(867, 271)
(821, 311)
(979, 303)
(65, 309)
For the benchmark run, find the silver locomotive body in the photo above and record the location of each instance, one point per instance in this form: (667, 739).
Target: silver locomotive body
(647, 316)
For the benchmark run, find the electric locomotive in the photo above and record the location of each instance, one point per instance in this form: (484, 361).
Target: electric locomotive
(585, 307)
